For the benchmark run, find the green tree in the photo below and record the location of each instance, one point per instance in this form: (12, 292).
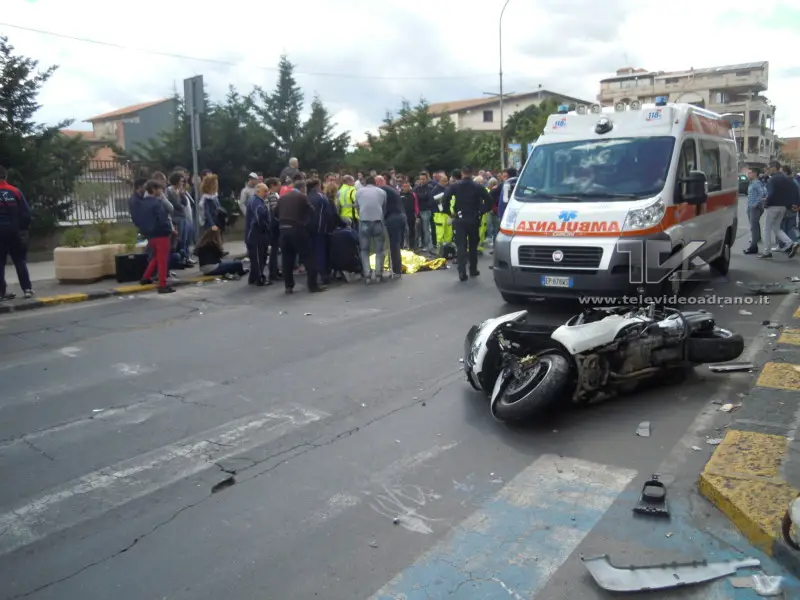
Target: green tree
(41, 161)
(317, 146)
(482, 150)
(279, 111)
(527, 125)
(412, 140)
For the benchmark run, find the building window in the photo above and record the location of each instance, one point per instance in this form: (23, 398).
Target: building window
(629, 83)
(488, 116)
(644, 82)
(721, 98)
(671, 80)
(743, 73)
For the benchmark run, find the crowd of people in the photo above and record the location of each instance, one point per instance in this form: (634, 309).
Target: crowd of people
(327, 226)
(774, 197)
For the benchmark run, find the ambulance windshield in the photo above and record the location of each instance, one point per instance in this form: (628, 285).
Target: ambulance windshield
(596, 170)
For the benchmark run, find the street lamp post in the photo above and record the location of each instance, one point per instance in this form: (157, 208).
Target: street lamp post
(502, 122)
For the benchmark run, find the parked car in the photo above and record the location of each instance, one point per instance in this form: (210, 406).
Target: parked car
(743, 183)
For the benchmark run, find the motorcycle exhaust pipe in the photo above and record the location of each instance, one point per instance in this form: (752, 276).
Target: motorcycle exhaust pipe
(637, 375)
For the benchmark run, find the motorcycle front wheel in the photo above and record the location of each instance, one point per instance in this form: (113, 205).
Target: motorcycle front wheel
(534, 388)
(714, 346)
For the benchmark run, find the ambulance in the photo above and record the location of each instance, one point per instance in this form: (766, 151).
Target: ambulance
(595, 179)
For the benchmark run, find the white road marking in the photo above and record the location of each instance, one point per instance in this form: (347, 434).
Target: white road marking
(96, 493)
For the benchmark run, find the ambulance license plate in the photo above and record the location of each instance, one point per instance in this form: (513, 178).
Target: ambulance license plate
(559, 282)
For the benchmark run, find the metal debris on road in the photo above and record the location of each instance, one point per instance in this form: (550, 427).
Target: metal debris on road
(373, 544)
(97, 410)
(306, 314)
(776, 288)
(731, 367)
(659, 577)
(461, 360)
(396, 520)
(644, 429)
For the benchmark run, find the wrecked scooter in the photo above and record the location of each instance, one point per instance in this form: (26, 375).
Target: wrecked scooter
(596, 354)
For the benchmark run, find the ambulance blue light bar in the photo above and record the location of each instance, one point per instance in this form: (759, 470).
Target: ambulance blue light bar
(563, 109)
(661, 100)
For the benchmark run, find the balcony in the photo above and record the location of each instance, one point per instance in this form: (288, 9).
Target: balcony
(754, 131)
(754, 158)
(673, 84)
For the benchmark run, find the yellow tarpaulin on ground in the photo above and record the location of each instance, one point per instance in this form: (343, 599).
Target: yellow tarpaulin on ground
(412, 263)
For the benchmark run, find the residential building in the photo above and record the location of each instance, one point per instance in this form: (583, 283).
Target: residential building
(133, 125)
(790, 151)
(735, 91)
(100, 150)
(483, 114)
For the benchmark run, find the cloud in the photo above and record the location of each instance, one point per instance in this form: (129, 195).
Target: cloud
(365, 57)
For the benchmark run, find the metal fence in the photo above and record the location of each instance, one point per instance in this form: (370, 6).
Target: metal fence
(102, 191)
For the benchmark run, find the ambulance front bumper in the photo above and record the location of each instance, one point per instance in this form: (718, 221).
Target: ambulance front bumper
(590, 267)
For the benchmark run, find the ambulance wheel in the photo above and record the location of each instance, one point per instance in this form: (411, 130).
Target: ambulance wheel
(513, 298)
(722, 264)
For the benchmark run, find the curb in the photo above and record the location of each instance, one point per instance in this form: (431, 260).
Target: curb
(748, 476)
(74, 298)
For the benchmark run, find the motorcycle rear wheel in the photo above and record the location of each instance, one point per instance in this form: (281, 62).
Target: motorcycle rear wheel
(714, 346)
(541, 384)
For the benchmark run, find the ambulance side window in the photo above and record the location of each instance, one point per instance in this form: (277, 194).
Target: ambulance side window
(710, 160)
(688, 159)
(686, 164)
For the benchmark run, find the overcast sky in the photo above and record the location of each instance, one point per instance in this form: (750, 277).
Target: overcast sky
(363, 57)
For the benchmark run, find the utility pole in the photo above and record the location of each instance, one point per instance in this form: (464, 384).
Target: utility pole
(502, 122)
(194, 104)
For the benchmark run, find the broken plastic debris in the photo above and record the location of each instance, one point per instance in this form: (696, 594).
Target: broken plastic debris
(696, 448)
(396, 520)
(282, 312)
(744, 312)
(644, 429)
(763, 585)
(731, 367)
(373, 544)
(714, 441)
(728, 407)
(653, 500)
(97, 410)
(306, 314)
(669, 535)
(794, 279)
(461, 360)
(659, 577)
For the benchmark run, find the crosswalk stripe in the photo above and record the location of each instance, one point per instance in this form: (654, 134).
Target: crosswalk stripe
(96, 493)
(514, 544)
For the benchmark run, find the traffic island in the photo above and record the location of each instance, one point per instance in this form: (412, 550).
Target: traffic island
(754, 473)
(98, 293)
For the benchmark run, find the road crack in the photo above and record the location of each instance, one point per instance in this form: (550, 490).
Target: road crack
(38, 450)
(304, 447)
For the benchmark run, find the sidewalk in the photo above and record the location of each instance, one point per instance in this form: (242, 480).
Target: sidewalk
(754, 473)
(50, 292)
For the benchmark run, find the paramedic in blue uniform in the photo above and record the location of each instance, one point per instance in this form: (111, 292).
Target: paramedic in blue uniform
(472, 201)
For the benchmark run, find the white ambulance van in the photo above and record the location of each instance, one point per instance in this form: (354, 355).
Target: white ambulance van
(668, 172)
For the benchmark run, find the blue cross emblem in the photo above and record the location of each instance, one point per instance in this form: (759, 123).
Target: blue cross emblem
(567, 215)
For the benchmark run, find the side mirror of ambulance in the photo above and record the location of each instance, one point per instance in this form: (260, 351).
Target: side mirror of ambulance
(695, 188)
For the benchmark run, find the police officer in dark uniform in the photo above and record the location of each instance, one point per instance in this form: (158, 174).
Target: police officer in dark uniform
(472, 201)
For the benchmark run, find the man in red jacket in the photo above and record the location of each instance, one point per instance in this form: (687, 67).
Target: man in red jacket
(15, 220)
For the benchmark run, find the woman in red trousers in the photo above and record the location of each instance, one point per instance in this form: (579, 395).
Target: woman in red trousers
(151, 217)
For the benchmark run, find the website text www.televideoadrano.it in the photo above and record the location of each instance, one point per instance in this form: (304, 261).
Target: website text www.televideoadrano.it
(710, 300)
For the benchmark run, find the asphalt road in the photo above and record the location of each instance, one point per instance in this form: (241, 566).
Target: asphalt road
(230, 442)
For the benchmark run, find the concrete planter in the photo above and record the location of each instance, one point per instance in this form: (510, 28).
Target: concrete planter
(85, 265)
